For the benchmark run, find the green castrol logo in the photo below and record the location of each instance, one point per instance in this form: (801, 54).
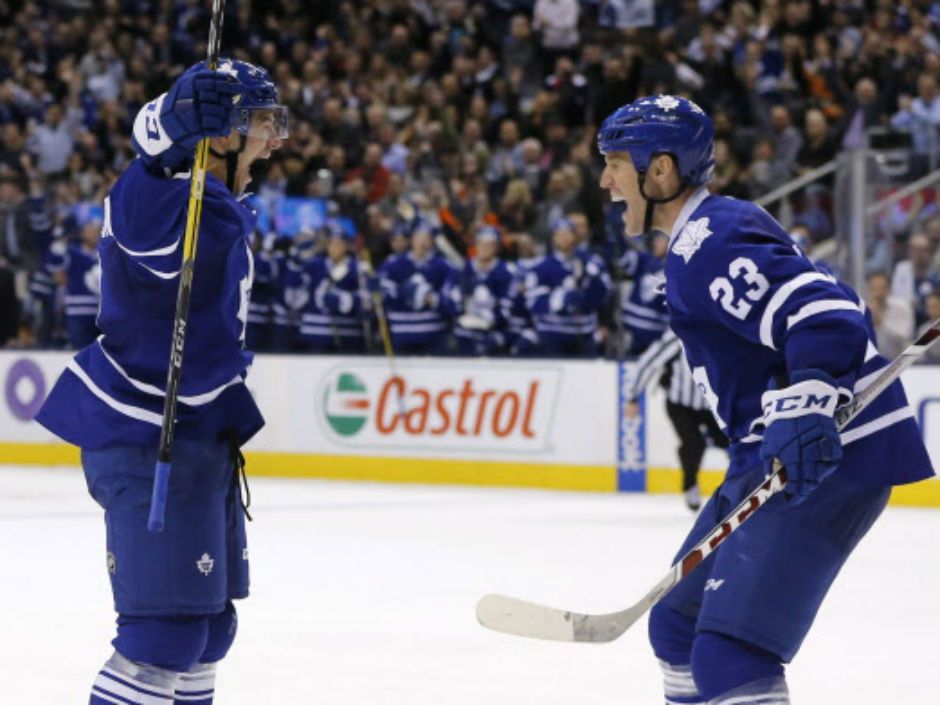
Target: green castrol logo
(346, 404)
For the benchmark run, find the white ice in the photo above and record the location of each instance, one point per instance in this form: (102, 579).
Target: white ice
(364, 594)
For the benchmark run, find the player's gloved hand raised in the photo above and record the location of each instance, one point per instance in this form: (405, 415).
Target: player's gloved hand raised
(801, 432)
(199, 105)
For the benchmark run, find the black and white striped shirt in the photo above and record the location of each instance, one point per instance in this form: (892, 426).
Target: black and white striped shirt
(664, 360)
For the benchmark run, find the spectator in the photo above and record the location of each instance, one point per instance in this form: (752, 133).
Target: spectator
(932, 306)
(897, 321)
(52, 140)
(557, 23)
(766, 172)
(863, 112)
(913, 279)
(818, 147)
(921, 117)
(9, 306)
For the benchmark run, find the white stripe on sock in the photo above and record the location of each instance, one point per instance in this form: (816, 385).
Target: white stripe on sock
(764, 699)
(109, 685)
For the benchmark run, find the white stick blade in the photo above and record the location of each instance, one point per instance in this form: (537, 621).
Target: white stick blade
(513, 616)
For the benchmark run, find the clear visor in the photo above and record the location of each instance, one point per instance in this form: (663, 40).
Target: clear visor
(263, 123)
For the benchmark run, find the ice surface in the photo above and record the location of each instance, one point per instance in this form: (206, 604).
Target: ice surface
(364, 595)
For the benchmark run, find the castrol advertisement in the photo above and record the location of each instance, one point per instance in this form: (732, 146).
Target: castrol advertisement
(545, 411)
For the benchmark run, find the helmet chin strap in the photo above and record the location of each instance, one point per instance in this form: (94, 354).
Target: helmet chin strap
(651, 202)
(231, 161)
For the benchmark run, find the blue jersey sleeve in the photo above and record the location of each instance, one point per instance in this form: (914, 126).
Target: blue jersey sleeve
(758, 284)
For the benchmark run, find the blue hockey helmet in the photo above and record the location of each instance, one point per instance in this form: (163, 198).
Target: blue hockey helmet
(487, 232)
(260, 93)
(662, 124)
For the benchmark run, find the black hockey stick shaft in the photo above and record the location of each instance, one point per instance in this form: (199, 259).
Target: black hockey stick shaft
(161, 478)
(515, 616)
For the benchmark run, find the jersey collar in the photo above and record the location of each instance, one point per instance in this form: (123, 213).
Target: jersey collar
(690, 206)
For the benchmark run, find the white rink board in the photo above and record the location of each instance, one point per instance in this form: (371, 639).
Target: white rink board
(515, 410)
(539, 411)
(525, 411)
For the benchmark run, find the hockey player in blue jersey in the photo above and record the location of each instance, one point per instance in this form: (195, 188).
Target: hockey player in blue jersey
(173, 590)
(486, 288)
(331, 319)
(259, 333)
(775, 346)
(564, 292)
(643, 311)
(421, 293)
(76, 268)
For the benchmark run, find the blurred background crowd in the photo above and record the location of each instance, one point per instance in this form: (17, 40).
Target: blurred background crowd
(461, 135)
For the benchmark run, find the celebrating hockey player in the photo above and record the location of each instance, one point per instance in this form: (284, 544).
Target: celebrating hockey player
(643, 310)
(173, 590)
(331, 320)
(421, 294)
(76, 268)
(486, 286)
(775, 346)
(564, 292)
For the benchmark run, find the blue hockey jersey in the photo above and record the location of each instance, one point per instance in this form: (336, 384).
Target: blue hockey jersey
(112, 392)
(420, 297)
(485, 299)
(564, 295)
(749, 308)
(82, 278)
(643, 311)
(521, 338)
(333, 314)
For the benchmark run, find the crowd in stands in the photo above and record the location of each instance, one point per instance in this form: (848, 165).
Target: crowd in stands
(452, 143)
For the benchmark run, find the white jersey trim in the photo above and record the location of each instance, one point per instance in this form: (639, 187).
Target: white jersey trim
(879, 424)
(814, 308)
(194, 400)
(779, 298)
(126, 409)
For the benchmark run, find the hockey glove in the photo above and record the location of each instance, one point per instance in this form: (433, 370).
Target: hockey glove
(338, 301)
(800, 431)
(199, 105)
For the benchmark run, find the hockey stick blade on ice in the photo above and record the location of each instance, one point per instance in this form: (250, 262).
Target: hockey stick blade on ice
(511, 615)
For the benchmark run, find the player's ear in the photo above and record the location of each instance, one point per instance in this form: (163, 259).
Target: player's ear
(662, 166)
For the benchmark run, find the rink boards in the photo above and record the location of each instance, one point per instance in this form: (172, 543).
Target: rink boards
(521, 423)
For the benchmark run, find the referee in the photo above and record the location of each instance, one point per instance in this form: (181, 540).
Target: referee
(685, 405)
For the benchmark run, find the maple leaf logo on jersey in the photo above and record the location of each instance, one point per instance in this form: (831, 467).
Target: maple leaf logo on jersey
(691, 238)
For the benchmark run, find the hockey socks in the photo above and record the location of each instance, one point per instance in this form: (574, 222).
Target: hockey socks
(728, 671)
(678, 685)
(126, 682)
(197, 686)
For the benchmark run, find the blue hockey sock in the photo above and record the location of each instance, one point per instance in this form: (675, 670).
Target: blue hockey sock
(727, 669)
(126, 682)
(196, 686)
(671, 635)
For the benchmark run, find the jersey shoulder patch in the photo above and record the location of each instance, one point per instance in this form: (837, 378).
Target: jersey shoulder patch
(693, 234)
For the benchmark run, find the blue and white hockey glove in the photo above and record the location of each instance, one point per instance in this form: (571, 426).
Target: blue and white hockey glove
(199, 105)
(800, 430)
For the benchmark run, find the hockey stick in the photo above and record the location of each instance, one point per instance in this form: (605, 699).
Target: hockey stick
(161, 478)
(384, 331)
(514, 616)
